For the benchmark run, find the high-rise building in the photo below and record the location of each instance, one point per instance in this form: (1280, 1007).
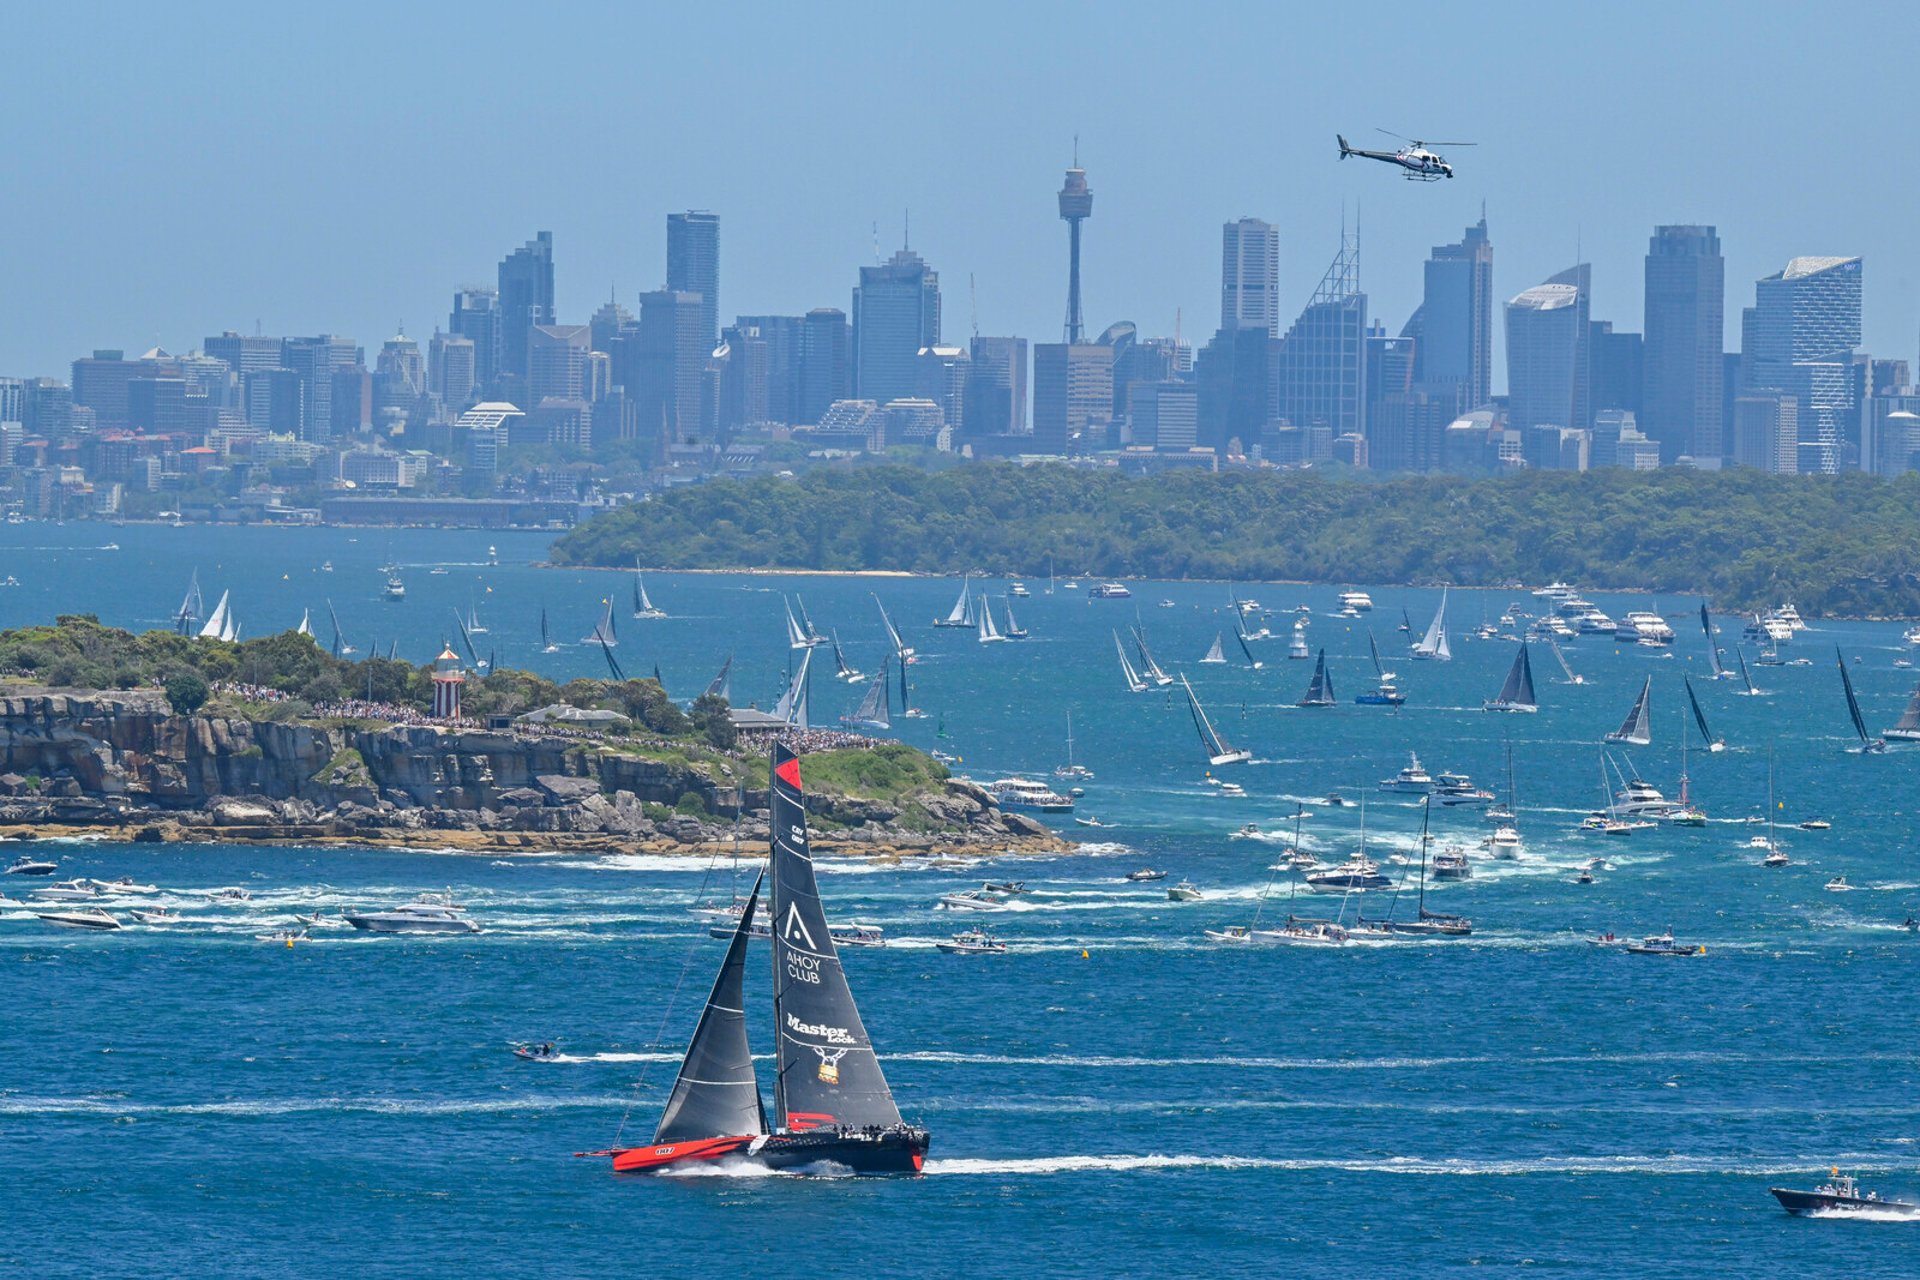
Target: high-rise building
(826, 362)
(944, 372)
(450, 370)
(315, 361)
(1685, 322)
(1799, 340)
(1165, 415)
(996, 388)
(693, 265)
(1766, 432)
(1076, 206)
(476, 317)
(608, 323)
(1072, 395)
(1454, 326)
(896, 312)
(100, 384)
(1234, 386)
(244, 353)
(13, 399)
(526, 299)
(785, 339)
(669, 365)
(1250, 276)
(1548, 355)
(557, 362)
(1319, 368)
(399, 375)
(1617, 364)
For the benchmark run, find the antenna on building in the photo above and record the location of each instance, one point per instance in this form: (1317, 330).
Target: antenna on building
(973, 304)
(906, 230)
(876, 242)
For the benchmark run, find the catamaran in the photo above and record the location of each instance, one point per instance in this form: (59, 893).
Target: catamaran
(1219, 750)
(1320, 692)
(1134, 683)
(1908, 730)
(1713, 744)
(1217, 656)
(832, 1107)
(1637, 728)
(1149, 669)
(1868, 743)
(1384, 693)
(1433, 646)
(643, 606)
(1517, 693)
(961, 615)
(872, 713)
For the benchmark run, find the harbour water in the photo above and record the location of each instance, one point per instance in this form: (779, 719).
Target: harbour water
(1113, 1096)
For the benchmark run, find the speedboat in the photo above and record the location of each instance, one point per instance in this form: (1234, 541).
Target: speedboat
(1838, 885)
(1088, 820)
(1248, 831)
(229, 895)
(1458, 789)
(1413, 780)
(286, 936)
(414, 917)
(125, 884)
(972, 900)
(1452, 864)
(973, 942)
(858, 935)
(1009, 887)
(1232, 790)
(1816, 824)
(1144, 874)
(1357, 872)
(155, 915)
(85, 918)
(1840, 1194)
(67, 891)
(1664, 945)
(27, 865)
(541, 1052)
(1183, 892)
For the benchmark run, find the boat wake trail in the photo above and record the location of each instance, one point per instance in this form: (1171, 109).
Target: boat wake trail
(1041, 1166)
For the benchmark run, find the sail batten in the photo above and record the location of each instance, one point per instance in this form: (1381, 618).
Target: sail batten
(717, 1093)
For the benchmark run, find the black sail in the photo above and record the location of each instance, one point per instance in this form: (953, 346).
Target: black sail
(717, 1095)
(826, 1073)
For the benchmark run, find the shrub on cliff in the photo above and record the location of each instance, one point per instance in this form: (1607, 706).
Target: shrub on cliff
(712, 720)
(187, 691)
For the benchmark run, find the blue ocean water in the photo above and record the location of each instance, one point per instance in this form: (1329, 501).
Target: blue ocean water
(1113, 1097)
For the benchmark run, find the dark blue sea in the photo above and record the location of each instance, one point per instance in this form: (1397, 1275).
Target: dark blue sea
(1115, 1096)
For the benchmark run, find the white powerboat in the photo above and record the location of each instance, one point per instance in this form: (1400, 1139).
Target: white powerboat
(125, 884)
(155, 915)
(973, 900)
(414, 917)
(1184, 892)
(1025, 793)
(1456, 789)
(67, 891)
(27, 865)
(1413, 780)
(973, 942)
(85, 918)
(1358, 601)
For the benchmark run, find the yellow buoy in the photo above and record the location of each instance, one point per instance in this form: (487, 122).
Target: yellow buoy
(1084, 955)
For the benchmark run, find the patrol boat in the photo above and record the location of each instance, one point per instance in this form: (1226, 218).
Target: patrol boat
(1841, 1194)
(832, 1110)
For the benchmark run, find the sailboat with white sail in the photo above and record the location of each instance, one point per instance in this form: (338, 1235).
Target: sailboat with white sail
(832, 1107)
(721, 686)
(842, 669)
(1216, 656)
(1637, 728)
(1720, 671)
(220, 624)
(1908, 730)
(1714, 745)
(961, 615)
(874, 708)
(793, 705)
(1868, 743)
(1384, 692)
(1134, 683)
(1014, 630)
(900, 649)
(1320, 691)
(1517, 693)
(474, 626)
(806, 621)
(799, 636)
(1433, 645)
(988, 632)
(643, 605)
(190, 608)
(306, 623)
(1149, 669)
(1219, 750)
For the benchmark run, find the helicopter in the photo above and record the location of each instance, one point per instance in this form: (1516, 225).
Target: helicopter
(1421, 164)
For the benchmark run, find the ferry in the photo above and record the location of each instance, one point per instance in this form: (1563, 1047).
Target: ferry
(1359, 601)
(1767, 629)
(1025, 793)
(1108, 591)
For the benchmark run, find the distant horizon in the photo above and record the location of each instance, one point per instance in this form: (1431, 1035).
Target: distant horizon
(183, 178)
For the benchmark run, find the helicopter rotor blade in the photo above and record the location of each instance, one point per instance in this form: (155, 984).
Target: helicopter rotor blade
(1391, 134)
(1449, 144)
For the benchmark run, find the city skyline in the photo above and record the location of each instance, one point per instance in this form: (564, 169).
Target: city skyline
(1585, 178)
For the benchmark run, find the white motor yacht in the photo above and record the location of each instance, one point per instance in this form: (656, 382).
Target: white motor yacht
(414, 917)
(1457, 789)
(27, 865)
(67, 891)
(80, 918)
(1413, 780)
(125, 884)
(1025, 793)
(1358, 601)
(1184, 892)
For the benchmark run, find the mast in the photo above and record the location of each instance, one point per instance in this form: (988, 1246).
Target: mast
(1320, 691)
(1241, 636)
(1853, 703)
(1713, 650)
(1745, 679)
(1700, 719)
(796, 638)
(1434, 644)
(717, 1093)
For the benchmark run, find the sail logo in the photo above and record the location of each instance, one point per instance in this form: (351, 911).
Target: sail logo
(796, 927)
(820, 1031)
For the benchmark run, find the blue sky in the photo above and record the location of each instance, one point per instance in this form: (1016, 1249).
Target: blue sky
(176, 170)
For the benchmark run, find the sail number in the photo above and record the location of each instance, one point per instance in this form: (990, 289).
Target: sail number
(803, 968)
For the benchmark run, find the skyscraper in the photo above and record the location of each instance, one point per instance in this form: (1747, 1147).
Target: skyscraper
(669, 364)
(1250, 276)
(450, 370)
(399, 375)
(785, 338)
(557, 362)
(1320, 366)
(1800, 339)
(997, 387)
(826, 362)
(1548, 354)
(476, 316)
(1681, 367)
(1076, 206)
(1455, 326)
(896, 312)
(526, 299)
(1072, 393)
(693, 265)
(315, 361)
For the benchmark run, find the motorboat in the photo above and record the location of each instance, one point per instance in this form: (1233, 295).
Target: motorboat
(1011, 888)
(1840, 1194)
(1504, 843)
(1184, 892)
(1089, 820)
(155, 915)
(1643, 627)
(1018, 590)
(1413, 780)
(1358, 601)
(1816, 824)
(83, 918)
(1640, 798)
(28, 865)
(414, 917)
(973, 942)
(1232, 790)
(68, 891)
(1452, 864)
(396, 590)
(229, 895)
(1357, 872)
(1664, 945)
(1248, 831)
(1107, 591)
(1025, 793)
(1454, 789)
(286, 937)
(1838, 885)
(125, 884)
(1776, 857)
(1145, 874)
(541, 1052)
(972, 900)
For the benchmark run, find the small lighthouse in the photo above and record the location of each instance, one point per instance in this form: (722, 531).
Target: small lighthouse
(447, 679)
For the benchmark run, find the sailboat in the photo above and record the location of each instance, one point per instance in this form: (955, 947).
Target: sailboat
(1240, 635)
(961, 615)
(190, 606)
(1684, 813)
(806, 621)
(1868, 743)
(1384, 693)
(721, 686)
(1746, 677)
(1219, 750)
(1517, 693)
(831, 1104)
(1148, 667)
(1014, 630)
(219, 624)
(792, 707)
(1320, 692)
(1426, 924)
(603, 633)
(643, 606)
(546, 639)
(1776, 856)
(873, 709)
(843, 670)
(1134, 683)
(1216, 656)
(1504, 842)
(1561, 658)
(1433, 645)
(1720, 671)
(1637, 728)
(473, 620)
(306, 623)
(1714, 745)
(798, 637)
(1072, 768)
(900, 649)
(989, 633)
(1908, 730)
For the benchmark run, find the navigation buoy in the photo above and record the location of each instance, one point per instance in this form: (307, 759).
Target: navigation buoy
(1084, 955)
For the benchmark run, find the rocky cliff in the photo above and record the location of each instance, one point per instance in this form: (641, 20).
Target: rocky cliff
(123, 759)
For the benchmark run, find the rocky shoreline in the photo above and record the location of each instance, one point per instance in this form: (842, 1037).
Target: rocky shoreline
(120, 765)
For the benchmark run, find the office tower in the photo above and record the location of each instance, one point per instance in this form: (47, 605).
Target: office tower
(1319, 367)
(351, 404)
(450, 369)
(399, 375)
(1548, 354)
(1076, 206)
(607, 324)
(943, 379)
(244, 353)
(785, 339)
(13, 400)
(1232, 376)
(667, 365)
(1799, 340)
(315, 361)
(1685, 317)
(476, 317)
(1165, 414)
(996, 387)
(1072, 395)
(1250, 276)
(1766, 432)
(693, 265)
(826, 362)
(526, 299)
(744, 362)
(1455, 321)
(156, 403)
(557, 362)
(49, 409)
(100, 384)
(1617, 364)
(896, 312)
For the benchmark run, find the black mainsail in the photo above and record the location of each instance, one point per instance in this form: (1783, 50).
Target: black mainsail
(1908, 730)
(1517, 693)
(1700, 720)
(1867, 741)
(1637, 728)
(1713, 650)
(717, 1093)
(1219, 750)
(721, 686)
(826, 1073)
(1320, 691)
